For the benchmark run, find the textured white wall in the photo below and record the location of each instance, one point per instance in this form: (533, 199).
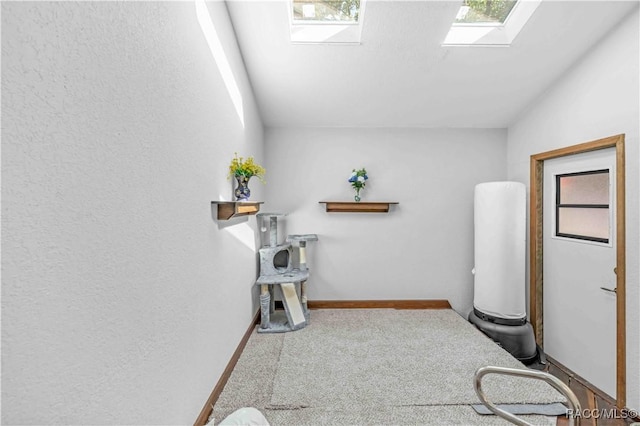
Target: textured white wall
(122, 298)
(597, 97)
(423, 248)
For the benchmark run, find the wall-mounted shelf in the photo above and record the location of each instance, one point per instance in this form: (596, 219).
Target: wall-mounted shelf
(229, 209)
(360, 207)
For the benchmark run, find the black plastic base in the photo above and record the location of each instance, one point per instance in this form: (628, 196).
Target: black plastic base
(504, 321)
(518, 340)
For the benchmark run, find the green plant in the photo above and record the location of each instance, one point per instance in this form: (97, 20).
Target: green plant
(358, 178)
(248, 168)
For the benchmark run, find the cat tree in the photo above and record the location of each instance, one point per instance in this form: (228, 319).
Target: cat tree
(276, 269)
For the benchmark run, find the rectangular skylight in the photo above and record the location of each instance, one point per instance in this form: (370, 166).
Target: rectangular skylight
(484, 12)
(326, 21)
(489, 23)
(326, 11)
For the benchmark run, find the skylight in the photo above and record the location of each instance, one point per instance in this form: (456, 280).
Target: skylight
(489, 22)
(326, 11)
(484, 12)
(326, 21)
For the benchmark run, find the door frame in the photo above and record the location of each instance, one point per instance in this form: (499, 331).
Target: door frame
(536, 284)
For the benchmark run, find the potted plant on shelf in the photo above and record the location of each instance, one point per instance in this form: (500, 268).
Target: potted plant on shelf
(358, 181)
(243, 170)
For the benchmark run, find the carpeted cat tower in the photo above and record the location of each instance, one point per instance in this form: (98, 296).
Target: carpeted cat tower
(499, 268)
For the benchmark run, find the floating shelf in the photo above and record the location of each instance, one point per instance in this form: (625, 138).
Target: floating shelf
(361, 207)
(229, 209)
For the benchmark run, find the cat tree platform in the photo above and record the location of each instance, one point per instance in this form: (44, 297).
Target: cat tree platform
(294, 299)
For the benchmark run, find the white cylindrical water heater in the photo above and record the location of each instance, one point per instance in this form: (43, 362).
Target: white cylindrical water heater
(499, 249)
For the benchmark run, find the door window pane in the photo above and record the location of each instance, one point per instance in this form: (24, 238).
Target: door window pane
(585, 222)
(590, 188)
(582, 206)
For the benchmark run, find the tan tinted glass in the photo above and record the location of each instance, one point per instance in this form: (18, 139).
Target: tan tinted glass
(585, 189)
(586, 222)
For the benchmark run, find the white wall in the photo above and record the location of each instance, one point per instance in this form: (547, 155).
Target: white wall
(421, 249)
(596, 98)
(122, 298)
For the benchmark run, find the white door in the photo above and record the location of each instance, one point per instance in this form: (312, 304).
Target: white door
(579, 301)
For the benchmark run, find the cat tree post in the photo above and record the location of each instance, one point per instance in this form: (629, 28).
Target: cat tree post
(265, 306)
(273, 230)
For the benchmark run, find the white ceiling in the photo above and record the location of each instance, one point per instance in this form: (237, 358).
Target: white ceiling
(400, 75)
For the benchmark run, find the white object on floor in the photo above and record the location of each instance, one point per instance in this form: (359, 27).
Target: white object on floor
(246, 416)
(499, 249)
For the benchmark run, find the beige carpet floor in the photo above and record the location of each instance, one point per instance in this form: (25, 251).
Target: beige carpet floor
(375, 367)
